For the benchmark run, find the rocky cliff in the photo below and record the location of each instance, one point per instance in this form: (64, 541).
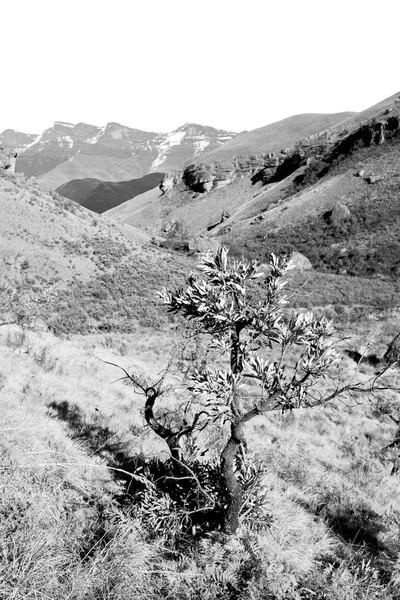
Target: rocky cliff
(207, 176)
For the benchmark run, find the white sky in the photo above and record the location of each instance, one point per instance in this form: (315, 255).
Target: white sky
(155, 64)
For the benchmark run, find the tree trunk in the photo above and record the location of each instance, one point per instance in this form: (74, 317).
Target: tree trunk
(233, 486)
(172, 438)
(235, 441)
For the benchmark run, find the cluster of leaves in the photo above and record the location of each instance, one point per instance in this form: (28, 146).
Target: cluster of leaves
(224, 303)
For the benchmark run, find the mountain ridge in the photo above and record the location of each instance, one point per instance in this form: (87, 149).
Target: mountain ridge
(111, 153)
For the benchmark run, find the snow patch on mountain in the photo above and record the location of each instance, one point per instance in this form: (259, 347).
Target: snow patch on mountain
(201, 145)
(171, 139)
(95, 139)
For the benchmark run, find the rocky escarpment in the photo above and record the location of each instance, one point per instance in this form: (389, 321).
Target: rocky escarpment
(204, 177)
(316, 153)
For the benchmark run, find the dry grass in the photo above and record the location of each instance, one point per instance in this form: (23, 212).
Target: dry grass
(64, 532)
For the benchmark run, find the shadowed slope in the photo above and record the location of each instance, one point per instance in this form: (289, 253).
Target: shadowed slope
(100, 196)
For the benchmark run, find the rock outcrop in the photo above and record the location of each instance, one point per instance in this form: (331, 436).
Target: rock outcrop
(373, 178)
(225, 215)
(7, 160)
(339, 213)
(300, 262)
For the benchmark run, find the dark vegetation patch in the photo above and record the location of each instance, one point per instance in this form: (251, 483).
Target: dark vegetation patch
(121, 297)
(118, 299)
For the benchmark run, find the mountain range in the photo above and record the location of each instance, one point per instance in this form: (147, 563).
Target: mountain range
(65, 152)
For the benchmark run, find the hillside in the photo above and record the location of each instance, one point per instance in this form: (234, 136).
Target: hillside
(99, 196)
(339, 209)
(115, 152)
(76, 270)
(224, 174)
(276, 136)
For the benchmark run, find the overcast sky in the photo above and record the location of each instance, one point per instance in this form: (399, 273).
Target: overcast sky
(156, 64)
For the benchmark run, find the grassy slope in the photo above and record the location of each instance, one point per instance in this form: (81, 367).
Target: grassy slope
(68, 528)
(75, 269)
(126, 212)
(151, 212)
(276, 136)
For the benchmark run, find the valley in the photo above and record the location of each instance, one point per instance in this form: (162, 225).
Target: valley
(140, 374)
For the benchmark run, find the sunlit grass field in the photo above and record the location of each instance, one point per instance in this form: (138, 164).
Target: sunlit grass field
(70, 433)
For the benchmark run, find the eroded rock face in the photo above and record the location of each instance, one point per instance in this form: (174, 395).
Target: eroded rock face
(169, 182)
(205, 177)
(7, 160)
(367, 134)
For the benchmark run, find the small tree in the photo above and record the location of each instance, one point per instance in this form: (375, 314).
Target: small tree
(242, 309)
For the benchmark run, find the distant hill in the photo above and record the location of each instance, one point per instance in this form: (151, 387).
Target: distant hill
(99, 196)
(115, 152)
